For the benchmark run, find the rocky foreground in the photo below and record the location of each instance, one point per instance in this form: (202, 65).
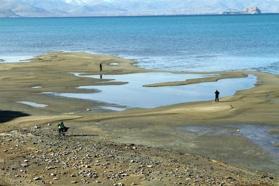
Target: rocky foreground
(38, 156)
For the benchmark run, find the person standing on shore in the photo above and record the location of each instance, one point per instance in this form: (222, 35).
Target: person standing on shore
(217, 93)
(101, 67)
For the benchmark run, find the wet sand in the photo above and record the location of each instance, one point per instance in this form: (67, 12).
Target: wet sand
(212, 78)
(151, 127)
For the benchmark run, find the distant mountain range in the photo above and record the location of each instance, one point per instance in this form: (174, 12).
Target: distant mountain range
(47, 8)
(249, 10)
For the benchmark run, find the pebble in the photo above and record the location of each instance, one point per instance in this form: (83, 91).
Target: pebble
(24, 165)
(118, 184)
(37, 178)
(59, 154)
(52, 174)
(87, 166)
(36, 127)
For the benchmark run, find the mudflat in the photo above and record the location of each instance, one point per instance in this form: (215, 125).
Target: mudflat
(136, 146)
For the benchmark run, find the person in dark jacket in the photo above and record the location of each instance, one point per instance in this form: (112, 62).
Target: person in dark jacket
(101, 67)
(62, 129)
(217, 93)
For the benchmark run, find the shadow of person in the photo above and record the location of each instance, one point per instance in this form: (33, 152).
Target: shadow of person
(7, 115)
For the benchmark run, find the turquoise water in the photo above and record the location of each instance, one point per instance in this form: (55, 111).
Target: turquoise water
(183, 43)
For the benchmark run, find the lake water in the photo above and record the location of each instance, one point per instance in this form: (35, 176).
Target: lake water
(182, 43)
(134, 95)
(33, 104)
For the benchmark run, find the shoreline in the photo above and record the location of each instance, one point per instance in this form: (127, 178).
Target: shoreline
(156, 128)
(167, 15)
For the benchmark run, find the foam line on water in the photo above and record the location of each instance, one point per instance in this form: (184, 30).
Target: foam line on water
(15, 59)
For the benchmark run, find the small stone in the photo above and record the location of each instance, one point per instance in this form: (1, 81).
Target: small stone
(49, 168)
(149, 166)
(87, 166)
(73, 182)
(24, 165)
(36, 127)
(89, 174)
(230, 178)
(55, 178)
(124, 174)
(52, 174)
(37, 178)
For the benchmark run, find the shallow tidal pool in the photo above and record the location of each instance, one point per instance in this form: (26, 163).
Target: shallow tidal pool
(133, 94)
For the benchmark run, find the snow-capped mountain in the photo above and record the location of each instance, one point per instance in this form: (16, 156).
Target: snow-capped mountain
(38, 8)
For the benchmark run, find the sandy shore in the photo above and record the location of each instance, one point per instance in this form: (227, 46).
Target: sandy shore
(211, 78)
(156, 128)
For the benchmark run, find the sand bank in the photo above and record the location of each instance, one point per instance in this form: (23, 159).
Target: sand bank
(211, 78)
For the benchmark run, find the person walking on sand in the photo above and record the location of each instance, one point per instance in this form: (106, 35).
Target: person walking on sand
(217, 93)
(101, 67)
